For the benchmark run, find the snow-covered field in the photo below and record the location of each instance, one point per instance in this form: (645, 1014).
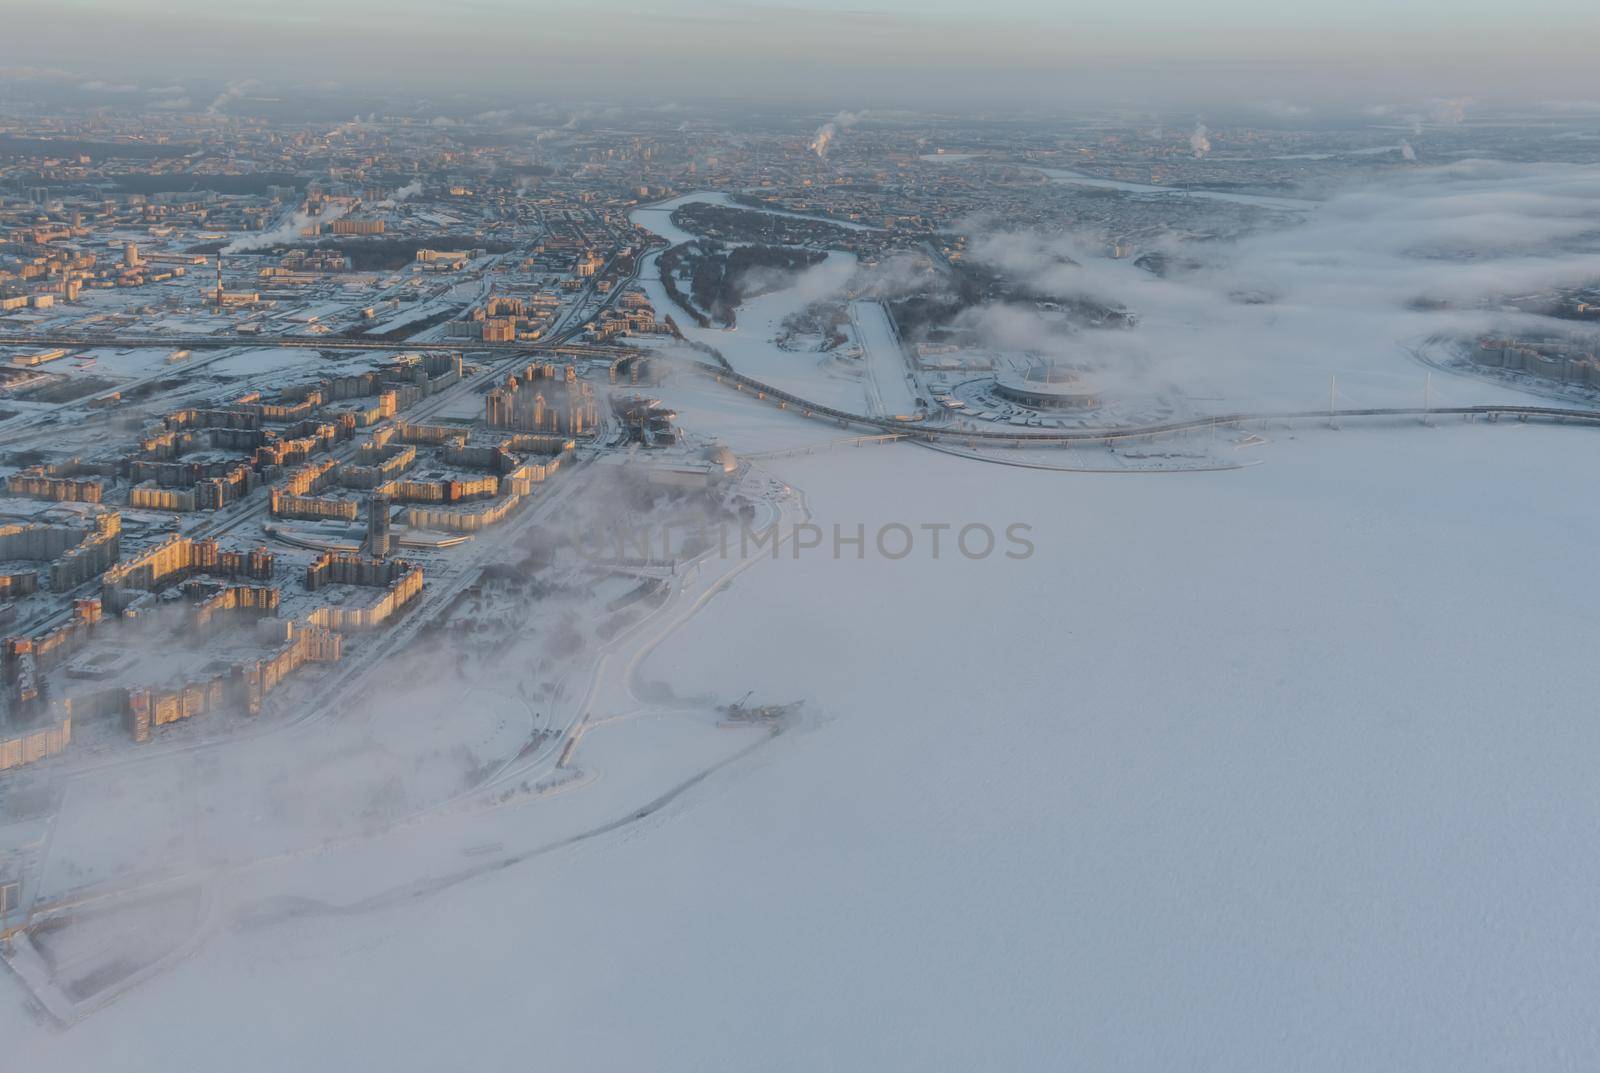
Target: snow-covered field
(259, 361)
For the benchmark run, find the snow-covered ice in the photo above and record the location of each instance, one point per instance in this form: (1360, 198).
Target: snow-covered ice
(1279, 768)
(892, 393)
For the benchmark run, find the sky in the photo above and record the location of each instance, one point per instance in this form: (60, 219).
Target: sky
(1018, 53)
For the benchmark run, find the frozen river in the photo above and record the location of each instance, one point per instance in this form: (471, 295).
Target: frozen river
(752, 346)
(658, 217)
(891, 391)
(1265, 201)
(1262, 770)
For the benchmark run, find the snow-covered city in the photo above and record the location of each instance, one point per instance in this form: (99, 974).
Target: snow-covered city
(494, 576)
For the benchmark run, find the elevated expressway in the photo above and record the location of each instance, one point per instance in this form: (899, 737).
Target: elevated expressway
(228, 340)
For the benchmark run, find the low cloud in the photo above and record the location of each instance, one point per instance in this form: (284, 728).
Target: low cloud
(1428, 251)
(1284, 109)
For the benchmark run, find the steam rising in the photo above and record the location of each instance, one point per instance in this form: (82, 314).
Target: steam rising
(1199, 142)
(287, 231)
(830, 130)
(232, 92)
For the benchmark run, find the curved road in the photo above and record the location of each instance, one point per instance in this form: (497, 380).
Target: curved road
(920, 431)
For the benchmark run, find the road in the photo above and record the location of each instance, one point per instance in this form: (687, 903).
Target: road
(890, 390)
(914, 430)
(557, 341)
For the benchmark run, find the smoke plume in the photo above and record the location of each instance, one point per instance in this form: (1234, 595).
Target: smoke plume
(830, 130)
(232, 92)
(287, 231)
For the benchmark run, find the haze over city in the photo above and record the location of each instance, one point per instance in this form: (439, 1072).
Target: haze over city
(1025, 54)
(876, 535)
